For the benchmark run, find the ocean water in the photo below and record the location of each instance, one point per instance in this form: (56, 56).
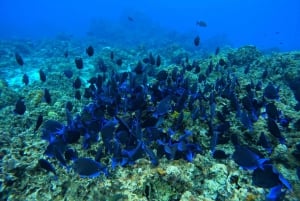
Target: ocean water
(150, 100)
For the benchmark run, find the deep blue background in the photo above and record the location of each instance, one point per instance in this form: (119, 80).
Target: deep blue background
(264, 23)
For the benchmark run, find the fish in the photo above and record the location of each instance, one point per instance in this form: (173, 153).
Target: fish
(163, 107)
(197, 41)
(276, 194)
(19, 59)
(79, 63)
(112, 55)
(268, 177)
(158, 60)
(201, 23)
(217, 51)
(39, 122)
(42, 75)
(70, 154)
(272, 111)
(77, 95)
(247, 159)
(119, 62)
(88, 168)
(151, 59)
(130, 19)
(161, 75)
(263, 141)
(220, 154)
(271, 92)
(46, 165)
(66, 53)
(275, 131)
(47, 96)
(68, 73)
(25, 79)
(20, 107)
(69, 106)
(77, 83)
(90, 51)
(139, 69)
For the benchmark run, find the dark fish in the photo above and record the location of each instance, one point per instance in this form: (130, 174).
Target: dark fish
(272, 111)
(46, 165)
(69, 106)
(19, 59)
(267, 177)
(274, 130)
(217, 50)
(222, 62)
(265, 74)
(42, 75)
(66, 53)
(77, 83)
(201, 23)
(71, 154)
(47, 96)
(119, 62)
(247, 69)
(112, 55)
(151, 59)
(68, 73)
(219, 154)
(20, 107)
(130, 19)
(162, 75)
(197, 41)
(163, 107)
(25, 79)
(90, 51)
(87, 167)
(139, 69)
(263, 141)
(77, 95)
(247, 159)
(158, 61)
(271, 92)
(79, 63)
(39, 122)
(146, 60)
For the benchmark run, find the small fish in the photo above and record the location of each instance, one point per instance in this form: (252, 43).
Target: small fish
(39, 122)
(158, 61)
(271, 92)
(139, 69)
(46, 165)
(217, 51)
(197, 41)
(47, 96)
(201, 23)
(71, 154)
(25, 79)
(77, 83)
(119, 62)
(77, 95)
(274, 130)
(130, 19)
(247, 159)
(79, 63)
(112, 55)
(219, 154)
(88, 168)
(42, 75)
(19, 59)
(90, 51)
(263, 141)
(20, 107)
(69, 106)
(66, 53)
(68, 73)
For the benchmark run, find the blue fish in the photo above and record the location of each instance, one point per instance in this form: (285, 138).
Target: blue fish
(247, 159)
(271, 92)
(163, 107)
(47, 166)
(88, 168)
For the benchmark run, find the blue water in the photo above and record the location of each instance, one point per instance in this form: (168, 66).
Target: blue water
(268, 24)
